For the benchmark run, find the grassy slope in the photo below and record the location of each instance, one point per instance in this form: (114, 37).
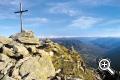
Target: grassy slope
(66, 60)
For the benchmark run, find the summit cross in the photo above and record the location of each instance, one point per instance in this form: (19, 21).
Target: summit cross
(21, 11)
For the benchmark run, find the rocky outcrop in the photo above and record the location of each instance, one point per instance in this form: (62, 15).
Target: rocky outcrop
(4, 40)
(20, 59)
(26, 38)
(24, 57)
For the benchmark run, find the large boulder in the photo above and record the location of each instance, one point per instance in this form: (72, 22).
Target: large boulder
(15, 50)
(4, 40)
(18, 49)
(7, 51)
(26, 37)
(4, 60)
(6, 65)
(1, 45)
(37, 68)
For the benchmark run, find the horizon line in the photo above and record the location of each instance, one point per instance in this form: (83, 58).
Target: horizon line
(43, 37)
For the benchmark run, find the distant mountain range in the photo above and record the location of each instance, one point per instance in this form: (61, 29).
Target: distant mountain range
(93, 48)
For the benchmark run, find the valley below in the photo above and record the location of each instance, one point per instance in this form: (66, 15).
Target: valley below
(92, 49)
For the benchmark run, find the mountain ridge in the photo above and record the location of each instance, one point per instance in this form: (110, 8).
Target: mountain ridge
(26, 57)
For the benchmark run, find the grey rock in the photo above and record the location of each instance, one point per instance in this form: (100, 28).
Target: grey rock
(15, 73)
(37, 68)
(6, 77)
(31, 48)
(18, 49)
(26, 37)
(4, 61)
(7, 51)
(4, 40)
(25, 40)
(1, 45)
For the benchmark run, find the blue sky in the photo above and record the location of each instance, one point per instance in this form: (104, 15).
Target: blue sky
(63, 18)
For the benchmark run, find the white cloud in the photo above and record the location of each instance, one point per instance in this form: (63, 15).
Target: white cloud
(36, 21)
(112, 22)
(94, 2)
(85, 22)
(55, 36)
(8, 7)
(63, 8)
(99, 2)
(9, 2)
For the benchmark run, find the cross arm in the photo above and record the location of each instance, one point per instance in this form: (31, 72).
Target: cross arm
(21, 11)
(17, 12)
(25, 11)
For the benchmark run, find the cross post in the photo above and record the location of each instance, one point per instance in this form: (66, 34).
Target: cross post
(21, 14)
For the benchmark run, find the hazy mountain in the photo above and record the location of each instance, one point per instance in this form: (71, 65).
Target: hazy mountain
(93, 48)
(107, 43)
(83, 45)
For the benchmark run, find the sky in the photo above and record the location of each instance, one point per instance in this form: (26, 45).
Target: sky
(62, 18)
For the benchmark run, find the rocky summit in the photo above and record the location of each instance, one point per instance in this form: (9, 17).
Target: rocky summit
(23, 56)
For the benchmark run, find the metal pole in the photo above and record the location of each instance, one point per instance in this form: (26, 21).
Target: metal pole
(21, 17)
(21, 22)
(21, 14)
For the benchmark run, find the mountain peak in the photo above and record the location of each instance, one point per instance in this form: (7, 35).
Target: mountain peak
(23, 56)
(26, 37)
